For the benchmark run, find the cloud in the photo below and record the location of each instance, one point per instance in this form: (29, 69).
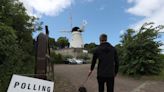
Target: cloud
(46, 7)
(122, 32)
(150, 10)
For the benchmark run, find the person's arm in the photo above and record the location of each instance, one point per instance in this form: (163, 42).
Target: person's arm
(116, 62)
(94, 59)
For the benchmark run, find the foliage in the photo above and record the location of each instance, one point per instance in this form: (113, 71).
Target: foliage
(62, 42)
(139, 52)
(83, 56)
(90, 47)
(65, 57)
(10, 56)
(16, 43)
(162, 57)
(51, 42)
(57, 58)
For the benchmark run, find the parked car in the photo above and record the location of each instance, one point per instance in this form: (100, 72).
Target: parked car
(66, 62)
(72, 61)
(75, 61)
(84, 62)
(79, 61)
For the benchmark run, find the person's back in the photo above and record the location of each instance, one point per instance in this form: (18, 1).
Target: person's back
(107, 65)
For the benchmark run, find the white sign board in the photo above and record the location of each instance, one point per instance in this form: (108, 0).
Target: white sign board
(27, 84)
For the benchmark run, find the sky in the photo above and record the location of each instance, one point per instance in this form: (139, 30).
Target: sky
(112, 17)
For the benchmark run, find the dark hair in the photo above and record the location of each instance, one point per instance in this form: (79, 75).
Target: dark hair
(103, 37)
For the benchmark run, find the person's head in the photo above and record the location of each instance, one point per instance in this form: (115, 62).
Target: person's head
(103, 38)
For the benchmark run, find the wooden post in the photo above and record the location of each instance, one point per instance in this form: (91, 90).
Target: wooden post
(41, 60)
(50, 66)
(44, 66)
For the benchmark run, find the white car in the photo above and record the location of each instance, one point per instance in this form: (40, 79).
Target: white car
(72, 61)
(75, 61)
(79, 61)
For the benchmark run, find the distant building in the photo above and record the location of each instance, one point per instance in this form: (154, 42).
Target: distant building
(70, 51)
(76, 40)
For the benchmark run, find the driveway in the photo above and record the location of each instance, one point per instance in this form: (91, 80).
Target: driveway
(68, 78)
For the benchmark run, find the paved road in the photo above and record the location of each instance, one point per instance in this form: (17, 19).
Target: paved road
(68, 78)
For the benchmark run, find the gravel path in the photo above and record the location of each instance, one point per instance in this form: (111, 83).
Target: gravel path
(68, 78)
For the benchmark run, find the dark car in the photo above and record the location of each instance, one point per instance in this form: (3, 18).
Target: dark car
(66, 62)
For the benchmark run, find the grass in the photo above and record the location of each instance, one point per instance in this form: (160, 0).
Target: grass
(159, 77)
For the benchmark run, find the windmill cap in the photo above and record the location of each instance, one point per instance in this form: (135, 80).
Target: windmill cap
(76, 29)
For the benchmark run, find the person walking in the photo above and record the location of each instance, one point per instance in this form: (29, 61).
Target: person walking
(108, 64)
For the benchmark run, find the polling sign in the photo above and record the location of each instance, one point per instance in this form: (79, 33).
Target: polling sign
(27, 84)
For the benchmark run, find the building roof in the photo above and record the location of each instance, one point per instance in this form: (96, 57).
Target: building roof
(76, 29)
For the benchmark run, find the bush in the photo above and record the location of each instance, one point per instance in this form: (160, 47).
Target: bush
(57, 58)
(16, 47)
(139, 51)
(65, 57)
(83, 56)
(10, 56)
(162, 58)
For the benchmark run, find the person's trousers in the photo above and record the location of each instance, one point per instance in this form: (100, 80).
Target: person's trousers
(109, 83)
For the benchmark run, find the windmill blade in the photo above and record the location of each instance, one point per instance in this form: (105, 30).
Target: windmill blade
(66, 31)
(84, 23)
(82, 27)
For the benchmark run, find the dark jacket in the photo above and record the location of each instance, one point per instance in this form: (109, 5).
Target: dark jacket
(108, 60)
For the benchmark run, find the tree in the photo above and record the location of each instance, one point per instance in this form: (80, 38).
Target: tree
(16, 44)
(14, 14)
(90, 46)
(57, 58)
(51, 42)
(139, 51)
(62, 42)
(10, 56)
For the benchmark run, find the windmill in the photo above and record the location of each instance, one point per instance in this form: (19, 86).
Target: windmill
(76, 35)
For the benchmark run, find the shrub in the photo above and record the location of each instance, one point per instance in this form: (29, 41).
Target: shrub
(139, 51)
(57, 58)
(83, 56)
(65, 57)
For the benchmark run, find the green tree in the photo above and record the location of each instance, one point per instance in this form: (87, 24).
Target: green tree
(57, 58)
(90, 46)
(139, 51)
(16, 43)
(51, 42)
(83, 56)
(14, 14)
(62, 42)
(10, 56)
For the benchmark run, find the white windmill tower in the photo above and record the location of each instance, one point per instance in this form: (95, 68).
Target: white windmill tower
(76, 36)
(76, 40)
